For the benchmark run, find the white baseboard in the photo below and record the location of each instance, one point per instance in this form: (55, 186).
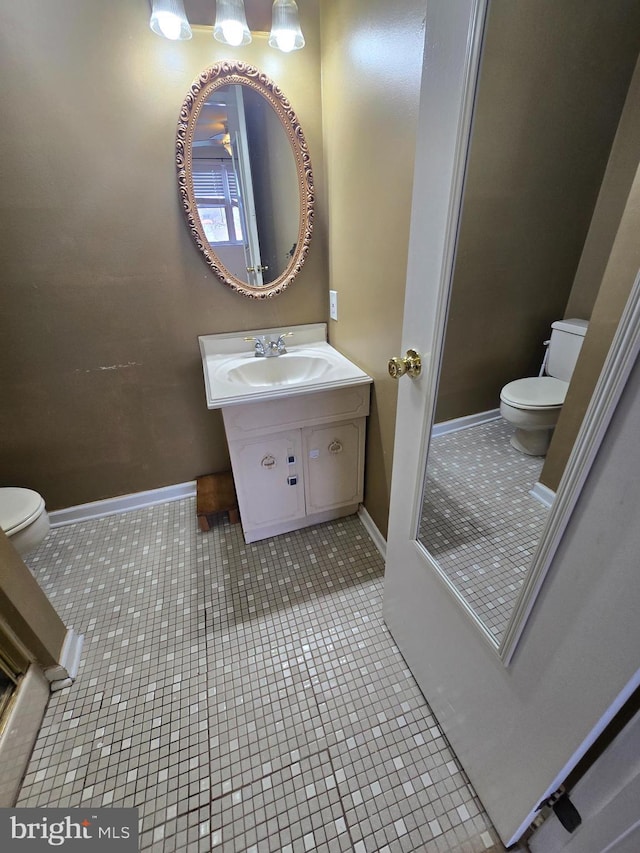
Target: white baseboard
(369, 525)
(543, 494)
(153, 497)
(465, 422)
(122, 503)
(72, 652)
(66, 671)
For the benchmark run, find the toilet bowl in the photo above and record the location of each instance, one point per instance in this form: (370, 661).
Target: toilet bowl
(533, 404)
(23, 518)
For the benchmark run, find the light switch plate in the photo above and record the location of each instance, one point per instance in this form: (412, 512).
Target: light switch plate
(333, 304)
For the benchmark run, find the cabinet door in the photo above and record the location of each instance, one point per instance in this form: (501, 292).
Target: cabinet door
(268, 477)
(334, 465)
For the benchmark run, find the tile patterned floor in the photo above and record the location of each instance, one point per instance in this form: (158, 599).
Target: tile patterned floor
(243, 697)
(478, 518)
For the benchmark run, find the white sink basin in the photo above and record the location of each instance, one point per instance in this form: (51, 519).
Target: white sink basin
(233, 374)
(288, 369)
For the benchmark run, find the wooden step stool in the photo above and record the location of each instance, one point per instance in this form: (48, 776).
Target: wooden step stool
(215, 493)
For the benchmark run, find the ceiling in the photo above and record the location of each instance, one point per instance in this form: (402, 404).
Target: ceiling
(203, 13)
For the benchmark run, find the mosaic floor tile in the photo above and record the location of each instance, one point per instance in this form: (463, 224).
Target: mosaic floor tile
(478, 518)
(242, 697)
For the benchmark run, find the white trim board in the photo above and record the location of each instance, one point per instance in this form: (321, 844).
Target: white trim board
(543, 493)
(65, 673)
(122, 503)
(465, 422)
(165, 494)
(370, 526)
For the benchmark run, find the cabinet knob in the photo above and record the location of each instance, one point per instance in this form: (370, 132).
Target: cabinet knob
(335, 446)
(268, 461)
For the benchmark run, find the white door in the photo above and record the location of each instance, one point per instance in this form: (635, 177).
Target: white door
(517, 726)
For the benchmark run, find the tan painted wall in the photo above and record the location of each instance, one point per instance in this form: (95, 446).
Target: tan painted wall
(549, 102)
(372, 58)
(103, 293)
(612, 200)
(605, 277)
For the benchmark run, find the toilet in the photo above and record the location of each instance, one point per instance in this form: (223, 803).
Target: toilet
(23, 518)
(533, 404)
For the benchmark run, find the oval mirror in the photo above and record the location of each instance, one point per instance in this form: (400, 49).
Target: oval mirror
(245, 179)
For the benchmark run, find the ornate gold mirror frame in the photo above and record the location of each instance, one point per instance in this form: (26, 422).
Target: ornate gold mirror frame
(212, 79)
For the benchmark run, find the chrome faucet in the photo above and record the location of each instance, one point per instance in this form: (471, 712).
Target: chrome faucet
(280, 347)
(265, 347)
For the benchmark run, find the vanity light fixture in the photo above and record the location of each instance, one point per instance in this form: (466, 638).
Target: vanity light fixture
(285, 34)
(231, 23)
(168, 19)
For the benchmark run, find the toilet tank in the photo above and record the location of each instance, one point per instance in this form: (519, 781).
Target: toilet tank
(566, 341)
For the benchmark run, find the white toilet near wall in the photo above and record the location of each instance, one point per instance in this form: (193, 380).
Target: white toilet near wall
(533, 404)
(23, 518)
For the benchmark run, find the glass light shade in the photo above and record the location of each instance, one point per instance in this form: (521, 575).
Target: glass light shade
(285, 34)
(168, 19)
(231, 23)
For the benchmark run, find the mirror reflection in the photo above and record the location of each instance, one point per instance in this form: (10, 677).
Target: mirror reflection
(531, 309)
(245, 184)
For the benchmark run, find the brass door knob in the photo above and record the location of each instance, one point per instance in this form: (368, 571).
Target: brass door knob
(411, 364)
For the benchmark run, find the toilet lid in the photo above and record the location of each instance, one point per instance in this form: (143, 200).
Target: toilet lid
(536, 392)
(18, 508)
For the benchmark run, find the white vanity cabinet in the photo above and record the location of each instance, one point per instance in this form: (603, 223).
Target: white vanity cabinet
(297, 460)
(294, 411)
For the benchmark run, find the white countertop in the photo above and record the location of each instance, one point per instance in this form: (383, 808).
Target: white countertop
(234, 375)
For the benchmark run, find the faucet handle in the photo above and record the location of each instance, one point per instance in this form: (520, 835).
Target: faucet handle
(258, 345)
(280, 342)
